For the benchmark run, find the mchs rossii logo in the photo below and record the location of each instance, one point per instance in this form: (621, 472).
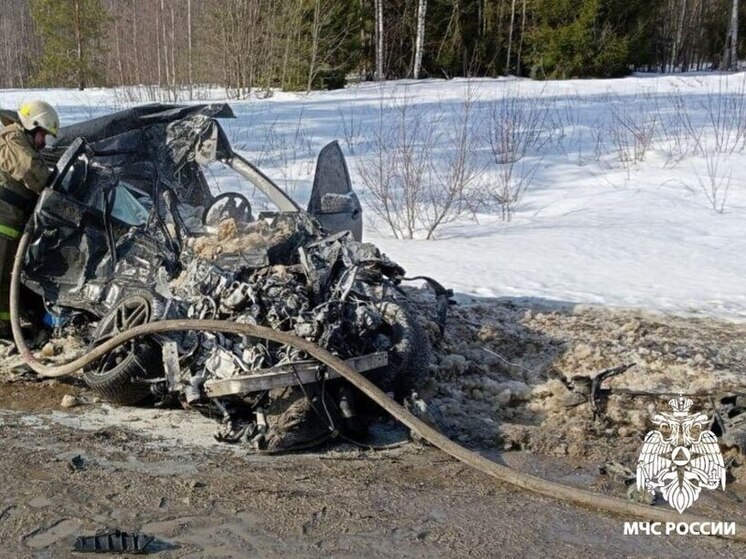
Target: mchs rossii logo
(681, 458)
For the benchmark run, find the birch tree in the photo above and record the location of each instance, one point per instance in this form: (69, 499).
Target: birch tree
(520, 44)
(510, 36)
(379, 39)
(421, 11)
(730, 56)
(681, 22)
(189, 52)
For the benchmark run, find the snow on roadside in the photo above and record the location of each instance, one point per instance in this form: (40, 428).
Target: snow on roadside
(590, 230)
(651, 249)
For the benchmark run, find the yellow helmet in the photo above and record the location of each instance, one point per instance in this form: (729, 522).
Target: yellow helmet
(39, 114)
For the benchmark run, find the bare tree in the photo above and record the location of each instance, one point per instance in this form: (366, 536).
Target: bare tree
(20, 45)
(680, 23)
(189, 40)
(730, 56)
(510, 36)
(513, 180)
(396, 170)
(138, 75)
(78, 27)
(315, 32)
(117, 43)
(419, 41)
(715, 184)
(172, 38)
(632, 130)
(422, 169)
(379, 39)
(457, 171)
(520, 44)
(292, 13)
(517, 125)
(165, 44)
(323, 44)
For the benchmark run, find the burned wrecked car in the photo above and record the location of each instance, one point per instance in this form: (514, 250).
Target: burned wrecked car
(129, 233)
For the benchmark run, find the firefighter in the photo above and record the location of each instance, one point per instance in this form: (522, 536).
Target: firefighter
(23, 175)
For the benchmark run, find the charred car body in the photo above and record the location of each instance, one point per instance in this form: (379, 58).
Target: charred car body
(130, 233)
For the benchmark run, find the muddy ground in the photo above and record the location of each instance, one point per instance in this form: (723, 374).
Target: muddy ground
(499, 384)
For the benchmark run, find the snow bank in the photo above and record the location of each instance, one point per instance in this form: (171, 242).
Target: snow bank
(591, 229)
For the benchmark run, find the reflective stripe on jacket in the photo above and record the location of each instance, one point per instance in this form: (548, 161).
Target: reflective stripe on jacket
(22, 176)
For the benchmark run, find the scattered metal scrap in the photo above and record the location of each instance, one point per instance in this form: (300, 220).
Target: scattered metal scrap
(729, 409)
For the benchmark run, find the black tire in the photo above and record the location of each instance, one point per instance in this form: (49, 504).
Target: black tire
(120, 376)
(409, 357)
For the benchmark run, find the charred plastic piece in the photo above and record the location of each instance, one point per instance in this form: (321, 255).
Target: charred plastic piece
(113, 542)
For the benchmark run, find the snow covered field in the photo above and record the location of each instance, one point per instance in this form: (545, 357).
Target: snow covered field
(635, 188)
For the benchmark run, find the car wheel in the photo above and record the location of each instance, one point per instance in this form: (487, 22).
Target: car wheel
(120, 376)
(409, 356)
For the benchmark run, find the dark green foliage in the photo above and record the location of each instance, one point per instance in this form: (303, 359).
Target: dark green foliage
(550, 38)
(579, 38)
(244, 45)
(71, 33)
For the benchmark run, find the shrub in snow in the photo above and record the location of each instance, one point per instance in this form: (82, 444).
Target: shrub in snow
(421, 168)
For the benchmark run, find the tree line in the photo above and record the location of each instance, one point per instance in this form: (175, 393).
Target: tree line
(245, 45)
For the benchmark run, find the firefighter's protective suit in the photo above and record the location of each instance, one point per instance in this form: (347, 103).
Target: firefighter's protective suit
(23, 175)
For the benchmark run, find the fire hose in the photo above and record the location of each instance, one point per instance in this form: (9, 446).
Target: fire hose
(502, 473)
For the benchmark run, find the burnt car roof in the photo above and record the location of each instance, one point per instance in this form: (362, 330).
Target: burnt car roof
(108, 126)
(121, 130)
